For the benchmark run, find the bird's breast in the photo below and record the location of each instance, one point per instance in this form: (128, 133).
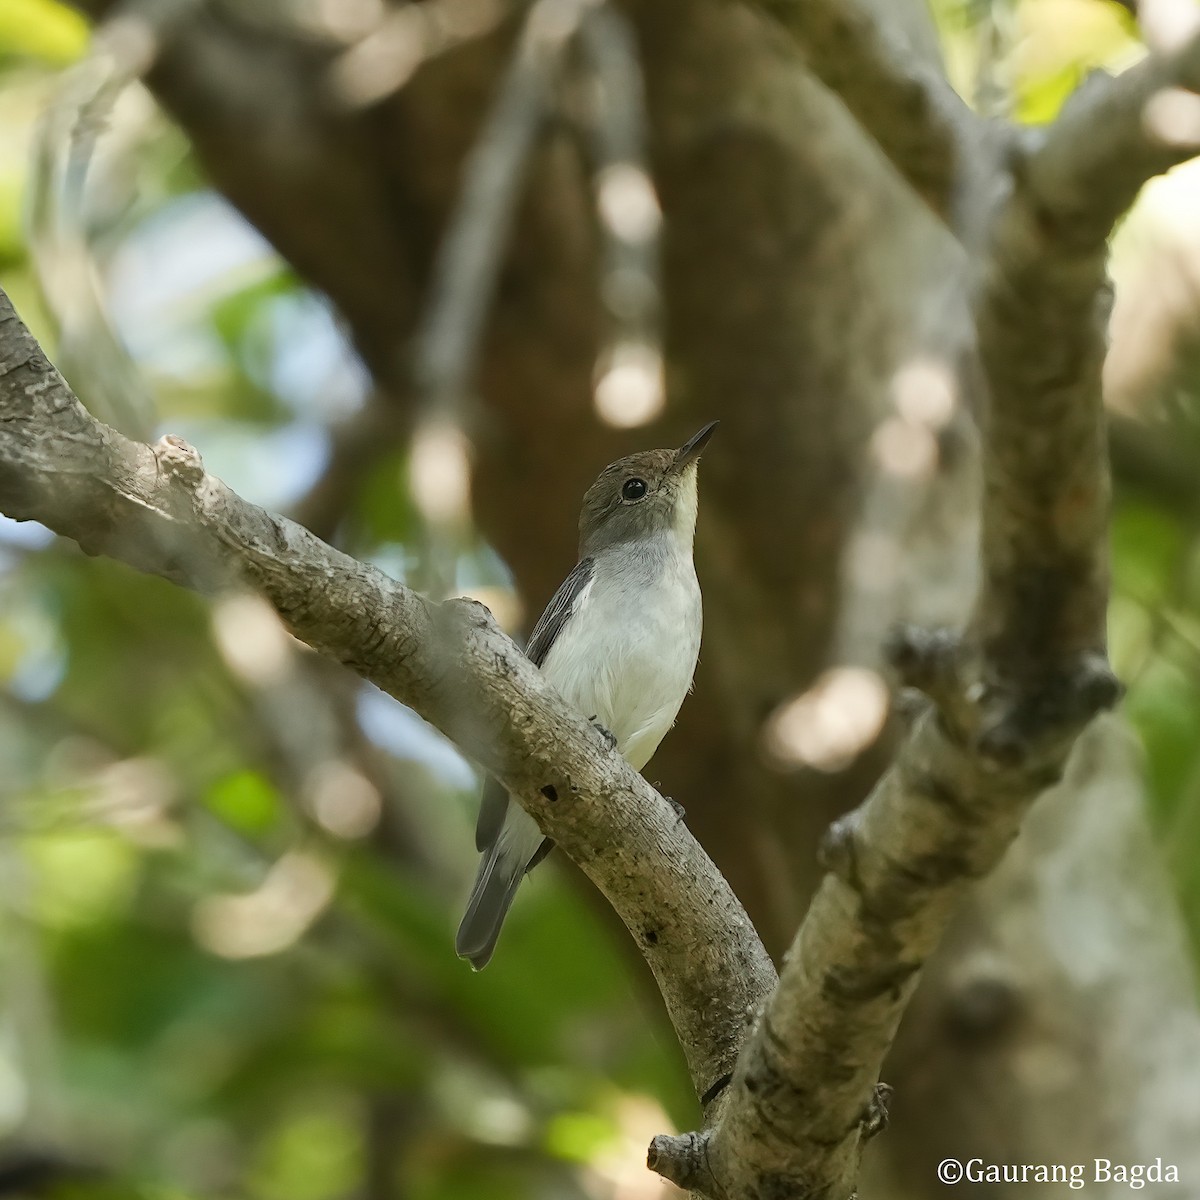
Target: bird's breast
(627, 655)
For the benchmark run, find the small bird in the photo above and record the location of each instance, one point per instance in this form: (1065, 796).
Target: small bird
(619, 640)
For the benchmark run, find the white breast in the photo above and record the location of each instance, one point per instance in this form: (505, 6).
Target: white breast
(628, 652)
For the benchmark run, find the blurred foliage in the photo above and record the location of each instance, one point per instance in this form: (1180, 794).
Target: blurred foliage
(1024, 57)
(41, 30)
(217, 976)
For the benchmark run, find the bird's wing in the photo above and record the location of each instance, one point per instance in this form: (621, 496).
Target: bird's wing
(550, 624)
(559, 611)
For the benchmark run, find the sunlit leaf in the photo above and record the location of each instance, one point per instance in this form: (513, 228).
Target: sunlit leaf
(42, 29)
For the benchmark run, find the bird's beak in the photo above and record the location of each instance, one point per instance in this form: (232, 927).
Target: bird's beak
(689, 452)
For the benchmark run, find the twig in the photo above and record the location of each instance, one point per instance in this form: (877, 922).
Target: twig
(465, 277)
(123, 49)
(997, 34)
(159, 511)
(66, 271)
(629, 389)
(469, 258)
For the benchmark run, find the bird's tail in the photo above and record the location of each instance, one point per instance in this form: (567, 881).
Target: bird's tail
(500, 874)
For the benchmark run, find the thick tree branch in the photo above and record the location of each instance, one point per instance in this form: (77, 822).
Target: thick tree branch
(901, 100)
(157, 510)
(800, 1107)
(1010, 698)
(1113, 135)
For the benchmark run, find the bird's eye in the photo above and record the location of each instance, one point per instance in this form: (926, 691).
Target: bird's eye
(633, 489)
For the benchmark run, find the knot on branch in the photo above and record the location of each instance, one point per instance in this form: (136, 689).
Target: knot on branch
(461, 612)
(1093, 687)
(925, 659)
(683, 1159)
(875, 1117)
(1021, 721)
(179, 460)
(838, 850)
(460, 620)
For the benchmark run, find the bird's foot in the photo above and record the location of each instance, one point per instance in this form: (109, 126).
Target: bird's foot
(680, 811)
(610, 738)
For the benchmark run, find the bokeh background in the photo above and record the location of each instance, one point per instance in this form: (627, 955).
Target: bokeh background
(230, 873)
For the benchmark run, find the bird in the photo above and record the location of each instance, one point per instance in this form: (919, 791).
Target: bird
(619, 640)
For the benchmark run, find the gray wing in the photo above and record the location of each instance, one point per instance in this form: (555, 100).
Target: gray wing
(550, 624)
(558, 612)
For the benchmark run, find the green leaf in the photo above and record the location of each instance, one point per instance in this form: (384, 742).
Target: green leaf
(42, 29)
(246, 800)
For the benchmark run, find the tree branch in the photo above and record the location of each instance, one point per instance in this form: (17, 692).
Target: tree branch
(1113, 135)
(466, 273)
(470, 257)
(1010, 698)
(908, 106)
(629, 385)
(156, 509)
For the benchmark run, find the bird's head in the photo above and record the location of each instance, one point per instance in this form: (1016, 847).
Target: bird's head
(643, 495)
